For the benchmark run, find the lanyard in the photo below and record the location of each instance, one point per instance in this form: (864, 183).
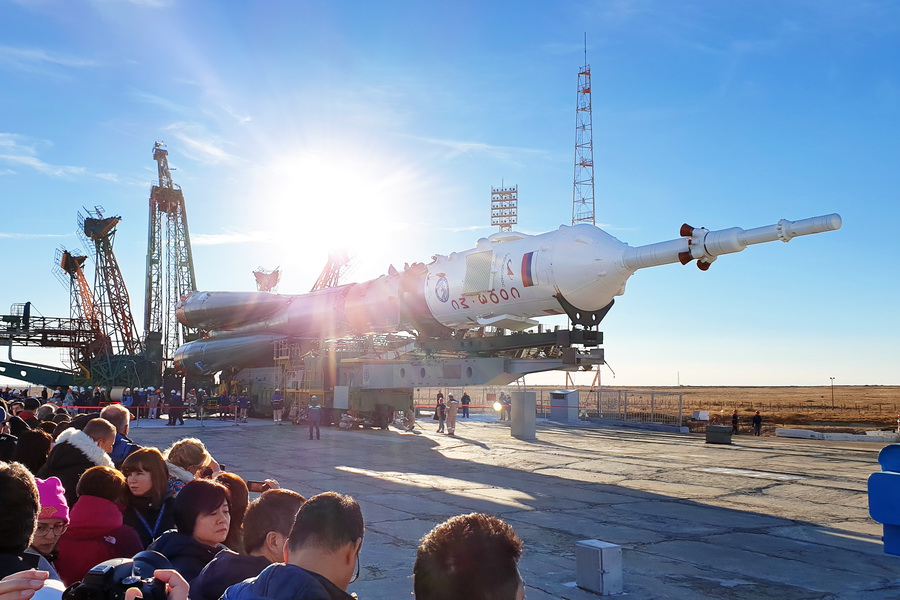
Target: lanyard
(146, 525)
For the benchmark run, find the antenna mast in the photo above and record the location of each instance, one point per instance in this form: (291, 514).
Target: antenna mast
(583, 191)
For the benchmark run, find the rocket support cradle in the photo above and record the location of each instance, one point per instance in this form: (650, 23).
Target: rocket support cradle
(506, 281)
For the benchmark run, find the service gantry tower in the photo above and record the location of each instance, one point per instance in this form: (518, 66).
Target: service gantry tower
(111, 302)
(583, 192)
(170, 264)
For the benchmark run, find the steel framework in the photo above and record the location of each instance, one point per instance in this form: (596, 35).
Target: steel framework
(69, 268)
(170, 263)
(112, 304)
(505, 207)
(583, 192)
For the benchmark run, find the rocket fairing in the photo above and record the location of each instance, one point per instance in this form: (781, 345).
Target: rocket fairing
(508, 280)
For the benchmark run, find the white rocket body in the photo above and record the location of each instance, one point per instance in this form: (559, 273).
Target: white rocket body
(508, 280)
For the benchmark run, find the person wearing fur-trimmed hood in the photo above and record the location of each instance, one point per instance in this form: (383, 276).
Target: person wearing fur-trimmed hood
(77, 451)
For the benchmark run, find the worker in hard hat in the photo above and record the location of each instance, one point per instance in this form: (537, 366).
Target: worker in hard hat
(314, 415)
(277, 406)
(176, 408)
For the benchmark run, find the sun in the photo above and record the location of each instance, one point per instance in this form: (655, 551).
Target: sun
(327, 198)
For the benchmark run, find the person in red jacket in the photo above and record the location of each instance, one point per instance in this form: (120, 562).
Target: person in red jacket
(96, 532)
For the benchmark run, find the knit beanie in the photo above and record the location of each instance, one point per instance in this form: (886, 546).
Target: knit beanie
(53, 499)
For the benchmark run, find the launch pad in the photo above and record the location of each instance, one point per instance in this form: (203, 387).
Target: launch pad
(762, 518)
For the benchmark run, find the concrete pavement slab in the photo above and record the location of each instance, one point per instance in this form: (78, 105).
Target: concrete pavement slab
(696, 521)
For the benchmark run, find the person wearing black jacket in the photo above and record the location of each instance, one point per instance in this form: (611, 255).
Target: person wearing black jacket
(267, 526)
(202, 519)
(18, 520)
(322, 554)
(149, 507)
(77, 451)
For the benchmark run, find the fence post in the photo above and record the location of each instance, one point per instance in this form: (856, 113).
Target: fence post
(653, 407)
(680, 409)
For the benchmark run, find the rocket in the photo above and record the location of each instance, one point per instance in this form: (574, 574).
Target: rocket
(508, 280)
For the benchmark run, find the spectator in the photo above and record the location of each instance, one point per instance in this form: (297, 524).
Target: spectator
(33, 448)
(185, 458)
(734, 421)
(440, 412)
(21, 505)
(96, 531)
(77, 451)
(149, 505)
(757, 424)
(322, 553)
(52, 521)
(45, 412)
(7, 439)
(239, 497)
(267, 526)
(201, 521)
(120, 417)
(469, 556)
(465, 401)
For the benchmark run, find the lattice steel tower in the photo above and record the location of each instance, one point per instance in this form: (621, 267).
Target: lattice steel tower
(583, 192)
(170, 264)
(111, 301)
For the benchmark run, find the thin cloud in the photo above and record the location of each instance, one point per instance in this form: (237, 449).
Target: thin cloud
(149, 98)
(199, 145)
(16, 151)
(22, 236)
(28, 59)
(459, 147)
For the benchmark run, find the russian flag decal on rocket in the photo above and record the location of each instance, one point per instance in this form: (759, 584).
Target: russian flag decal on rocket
(527, 278)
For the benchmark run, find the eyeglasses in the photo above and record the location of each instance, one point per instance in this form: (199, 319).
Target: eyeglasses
(355, 577)
(44, 530)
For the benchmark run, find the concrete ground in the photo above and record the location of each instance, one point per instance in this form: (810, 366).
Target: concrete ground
(762, 518)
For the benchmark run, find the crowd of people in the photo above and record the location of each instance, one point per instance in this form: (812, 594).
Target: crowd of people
(79, 492)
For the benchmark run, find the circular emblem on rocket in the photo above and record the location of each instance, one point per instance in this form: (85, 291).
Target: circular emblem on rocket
(442, 289)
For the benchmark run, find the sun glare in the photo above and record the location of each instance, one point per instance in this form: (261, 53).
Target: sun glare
(329, 199)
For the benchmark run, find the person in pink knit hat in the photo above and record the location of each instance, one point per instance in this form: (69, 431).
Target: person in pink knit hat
(53, 520)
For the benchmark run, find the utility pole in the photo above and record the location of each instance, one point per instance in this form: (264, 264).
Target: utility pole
(832, 392)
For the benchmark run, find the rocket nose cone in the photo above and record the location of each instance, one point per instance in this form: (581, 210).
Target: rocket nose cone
(834, 221)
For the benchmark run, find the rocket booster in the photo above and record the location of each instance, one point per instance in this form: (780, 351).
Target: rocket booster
(508, 280)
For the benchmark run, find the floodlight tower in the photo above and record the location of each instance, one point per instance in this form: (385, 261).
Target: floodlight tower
(505, 206)
(583, 191)
(170, 263)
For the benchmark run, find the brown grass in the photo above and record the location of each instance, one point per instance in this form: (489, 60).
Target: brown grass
(855, 408)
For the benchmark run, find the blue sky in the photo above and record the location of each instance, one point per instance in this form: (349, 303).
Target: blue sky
(295, 127)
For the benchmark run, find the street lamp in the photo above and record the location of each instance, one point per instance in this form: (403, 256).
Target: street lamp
(832, 391)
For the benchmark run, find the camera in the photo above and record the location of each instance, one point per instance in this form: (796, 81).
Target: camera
(110, 579)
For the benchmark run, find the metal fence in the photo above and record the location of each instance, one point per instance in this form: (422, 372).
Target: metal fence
(620, 405)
